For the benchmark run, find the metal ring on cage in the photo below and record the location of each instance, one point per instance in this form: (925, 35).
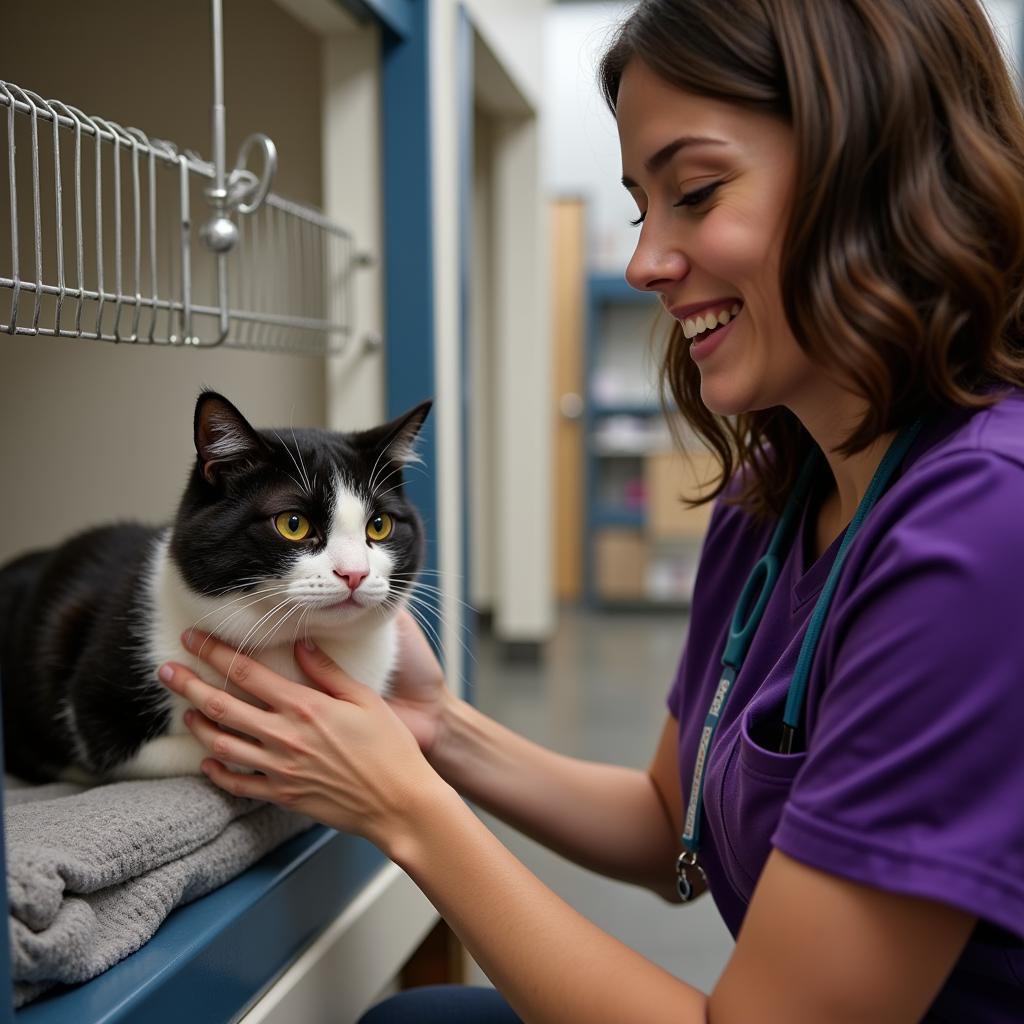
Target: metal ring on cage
(265, 180)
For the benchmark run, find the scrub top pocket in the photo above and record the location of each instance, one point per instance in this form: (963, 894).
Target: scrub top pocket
(754, 787)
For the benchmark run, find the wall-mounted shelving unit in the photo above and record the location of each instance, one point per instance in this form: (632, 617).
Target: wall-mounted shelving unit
(641, 541)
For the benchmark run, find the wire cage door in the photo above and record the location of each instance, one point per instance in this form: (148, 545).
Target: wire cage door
(99, 239)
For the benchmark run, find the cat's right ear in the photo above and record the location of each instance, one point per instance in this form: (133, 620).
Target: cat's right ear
(223, 437)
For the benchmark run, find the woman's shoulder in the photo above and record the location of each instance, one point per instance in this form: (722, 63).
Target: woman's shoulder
(958, 499)
(996, 432)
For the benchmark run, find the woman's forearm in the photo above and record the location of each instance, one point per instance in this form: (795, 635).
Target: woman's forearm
(550, 962)
(607, 818)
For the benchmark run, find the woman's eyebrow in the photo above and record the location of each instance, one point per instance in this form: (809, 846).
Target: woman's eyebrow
(655, 163)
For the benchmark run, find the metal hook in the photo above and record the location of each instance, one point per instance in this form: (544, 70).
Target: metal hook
(266, 178)
(244, 193)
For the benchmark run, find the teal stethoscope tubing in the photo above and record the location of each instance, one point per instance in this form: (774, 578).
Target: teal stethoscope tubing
(747, 617)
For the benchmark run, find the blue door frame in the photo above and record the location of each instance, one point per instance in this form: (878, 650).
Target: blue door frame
(409, 240)
(466, 86)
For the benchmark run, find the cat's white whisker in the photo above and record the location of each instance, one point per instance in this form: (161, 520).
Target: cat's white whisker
(256, 596)
(276, 627)
(423, 605)
(298, 623)
(383, 480)
(421, 618)
(269, 593)
(419, 615)
(302, 484)
(302, 464)
(241, 648)
(438, 591)
(373, 472)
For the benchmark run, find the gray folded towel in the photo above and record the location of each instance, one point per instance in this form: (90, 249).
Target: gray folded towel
(92, 872)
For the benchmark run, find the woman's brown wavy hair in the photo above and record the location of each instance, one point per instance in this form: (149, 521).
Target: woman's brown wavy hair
(903, 259)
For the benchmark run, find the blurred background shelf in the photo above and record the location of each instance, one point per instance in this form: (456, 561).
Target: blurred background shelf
(641, 541)
(623, 537)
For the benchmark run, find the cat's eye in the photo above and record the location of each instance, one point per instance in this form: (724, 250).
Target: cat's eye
(379, 527)
(293, 525)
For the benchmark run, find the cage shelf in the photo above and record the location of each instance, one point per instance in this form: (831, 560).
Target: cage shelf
(101, 241)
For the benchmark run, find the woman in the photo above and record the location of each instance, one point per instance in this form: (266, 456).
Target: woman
(841, 184)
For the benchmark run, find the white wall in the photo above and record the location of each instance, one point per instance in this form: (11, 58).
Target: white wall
(1006, 16)
(352, 174)
(513, 37)
(581, 146)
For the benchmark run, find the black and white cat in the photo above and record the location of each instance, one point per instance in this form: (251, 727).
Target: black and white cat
(279, 535)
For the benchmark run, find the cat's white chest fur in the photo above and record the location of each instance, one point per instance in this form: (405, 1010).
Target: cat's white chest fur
(366, 650)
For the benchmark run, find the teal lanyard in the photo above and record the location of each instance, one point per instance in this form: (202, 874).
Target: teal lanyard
(747, 617)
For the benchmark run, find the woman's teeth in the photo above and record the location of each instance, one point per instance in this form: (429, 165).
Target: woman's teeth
(695, 327)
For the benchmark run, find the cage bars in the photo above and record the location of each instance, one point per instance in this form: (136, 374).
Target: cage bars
(125, 267)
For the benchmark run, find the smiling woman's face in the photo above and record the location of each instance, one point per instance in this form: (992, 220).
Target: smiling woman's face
(712, 183)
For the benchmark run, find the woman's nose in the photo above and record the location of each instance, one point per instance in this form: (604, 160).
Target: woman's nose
(656, 265)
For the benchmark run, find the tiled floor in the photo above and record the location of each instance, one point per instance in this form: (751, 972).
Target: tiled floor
(599, 694)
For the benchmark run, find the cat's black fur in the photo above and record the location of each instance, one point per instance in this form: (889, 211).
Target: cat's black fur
(71, 625)
(74, 620)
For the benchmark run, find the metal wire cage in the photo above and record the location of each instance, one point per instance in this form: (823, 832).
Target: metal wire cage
(102, 242)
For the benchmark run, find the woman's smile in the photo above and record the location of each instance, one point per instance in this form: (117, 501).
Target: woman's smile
(711, 337)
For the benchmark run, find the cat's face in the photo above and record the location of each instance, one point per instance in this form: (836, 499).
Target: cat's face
(286, 533)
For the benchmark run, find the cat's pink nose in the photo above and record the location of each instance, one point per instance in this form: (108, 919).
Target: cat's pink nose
(351, 577)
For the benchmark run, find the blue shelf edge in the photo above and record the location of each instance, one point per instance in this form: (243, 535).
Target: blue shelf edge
(618, 517)
(627, 409)
(210, 960)
(615, 288)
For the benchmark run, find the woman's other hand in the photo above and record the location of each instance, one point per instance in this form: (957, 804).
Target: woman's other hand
(416, 691)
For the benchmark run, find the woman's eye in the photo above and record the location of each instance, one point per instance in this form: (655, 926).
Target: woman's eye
(293, 525)
(699, 196)
(694, 198)
(380, 526)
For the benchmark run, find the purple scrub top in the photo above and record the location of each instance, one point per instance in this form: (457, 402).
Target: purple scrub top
(913, 776)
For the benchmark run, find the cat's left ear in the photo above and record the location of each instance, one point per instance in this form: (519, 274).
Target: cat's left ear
(397, 439)
(224, 437)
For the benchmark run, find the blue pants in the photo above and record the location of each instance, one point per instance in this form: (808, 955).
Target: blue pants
(442, 1004)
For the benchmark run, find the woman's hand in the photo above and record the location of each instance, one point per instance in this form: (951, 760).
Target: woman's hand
(417, 691)
(338, 753)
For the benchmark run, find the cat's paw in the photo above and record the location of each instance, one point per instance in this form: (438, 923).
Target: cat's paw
(162, 758)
